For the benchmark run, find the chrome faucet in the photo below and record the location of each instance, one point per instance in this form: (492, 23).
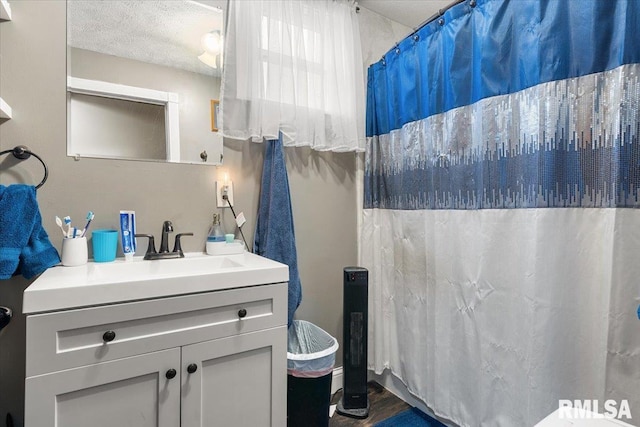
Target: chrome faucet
(167, 227)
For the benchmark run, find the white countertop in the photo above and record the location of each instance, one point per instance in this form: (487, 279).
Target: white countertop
(62, 288)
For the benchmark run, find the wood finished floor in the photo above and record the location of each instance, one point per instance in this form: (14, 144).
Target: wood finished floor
(382, 403)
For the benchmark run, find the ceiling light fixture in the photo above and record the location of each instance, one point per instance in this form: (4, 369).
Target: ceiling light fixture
(212, 43)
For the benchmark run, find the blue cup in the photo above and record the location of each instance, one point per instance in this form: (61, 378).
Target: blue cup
(105, 244)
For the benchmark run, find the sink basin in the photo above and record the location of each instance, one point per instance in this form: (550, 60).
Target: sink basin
(126, 271)
(61, 288)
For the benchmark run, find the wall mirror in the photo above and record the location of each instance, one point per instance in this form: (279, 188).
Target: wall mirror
(142, 78)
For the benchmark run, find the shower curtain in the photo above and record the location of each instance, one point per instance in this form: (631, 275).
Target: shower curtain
(502, 170)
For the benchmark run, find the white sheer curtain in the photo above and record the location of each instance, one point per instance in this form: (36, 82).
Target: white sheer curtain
(294, 66)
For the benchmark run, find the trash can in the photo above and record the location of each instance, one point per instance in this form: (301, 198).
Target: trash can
(311, 354)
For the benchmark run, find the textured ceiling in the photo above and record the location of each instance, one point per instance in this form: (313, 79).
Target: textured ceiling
(164, 32)
(407, 12)
(168, 32)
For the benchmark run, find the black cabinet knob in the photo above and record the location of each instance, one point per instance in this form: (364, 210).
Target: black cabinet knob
(242, 313)
(171, 373)
(109, 336)
(192, 368)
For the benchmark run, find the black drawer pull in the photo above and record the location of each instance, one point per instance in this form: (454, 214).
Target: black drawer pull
(109, 336)
(242, 313)
(171, 373)
(192, 368)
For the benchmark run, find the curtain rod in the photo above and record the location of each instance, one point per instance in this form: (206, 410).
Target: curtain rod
(427, 21)
(435, 16)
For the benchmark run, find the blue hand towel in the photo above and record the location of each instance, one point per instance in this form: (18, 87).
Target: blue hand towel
(275, 238)
(24, 245)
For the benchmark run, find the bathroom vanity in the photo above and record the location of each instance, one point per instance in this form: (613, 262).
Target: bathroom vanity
(185, 342)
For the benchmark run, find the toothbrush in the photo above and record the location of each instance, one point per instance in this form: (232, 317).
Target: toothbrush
(59, 223)
(67, 221)
(90, 216)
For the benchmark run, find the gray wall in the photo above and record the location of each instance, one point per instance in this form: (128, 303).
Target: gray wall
(33, 82)
(378, 34)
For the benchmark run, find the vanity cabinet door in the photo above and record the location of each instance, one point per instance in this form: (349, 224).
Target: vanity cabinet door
(236, 381)
(141, 391)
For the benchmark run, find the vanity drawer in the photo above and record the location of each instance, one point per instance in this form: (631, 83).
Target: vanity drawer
(73, 338)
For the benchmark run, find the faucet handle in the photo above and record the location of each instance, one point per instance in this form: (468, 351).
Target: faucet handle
(177, 248)
(151, 248)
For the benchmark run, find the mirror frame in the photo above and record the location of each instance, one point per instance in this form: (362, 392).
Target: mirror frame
(172, 133)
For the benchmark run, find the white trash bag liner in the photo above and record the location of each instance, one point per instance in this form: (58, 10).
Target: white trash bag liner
(311, 352)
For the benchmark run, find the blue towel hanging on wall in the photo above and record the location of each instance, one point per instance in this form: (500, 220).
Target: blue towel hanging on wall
(274, 237)
(24, 245)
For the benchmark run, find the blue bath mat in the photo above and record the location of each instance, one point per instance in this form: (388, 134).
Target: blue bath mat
(410, 418)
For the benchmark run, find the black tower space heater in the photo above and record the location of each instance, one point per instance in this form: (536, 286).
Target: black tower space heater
(354, 402)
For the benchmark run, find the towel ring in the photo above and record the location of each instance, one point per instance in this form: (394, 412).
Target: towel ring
(5, 317)
(22, 152)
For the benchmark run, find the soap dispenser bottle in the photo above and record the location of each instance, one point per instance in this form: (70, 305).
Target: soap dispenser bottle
(215, 236)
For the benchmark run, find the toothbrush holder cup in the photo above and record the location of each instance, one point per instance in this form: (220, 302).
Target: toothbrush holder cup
(105, 245)
(74, 251)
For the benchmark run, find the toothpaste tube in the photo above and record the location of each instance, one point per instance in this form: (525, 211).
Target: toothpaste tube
(128, 232)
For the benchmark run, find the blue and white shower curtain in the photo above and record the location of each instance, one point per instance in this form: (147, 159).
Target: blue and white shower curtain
(502, 157)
